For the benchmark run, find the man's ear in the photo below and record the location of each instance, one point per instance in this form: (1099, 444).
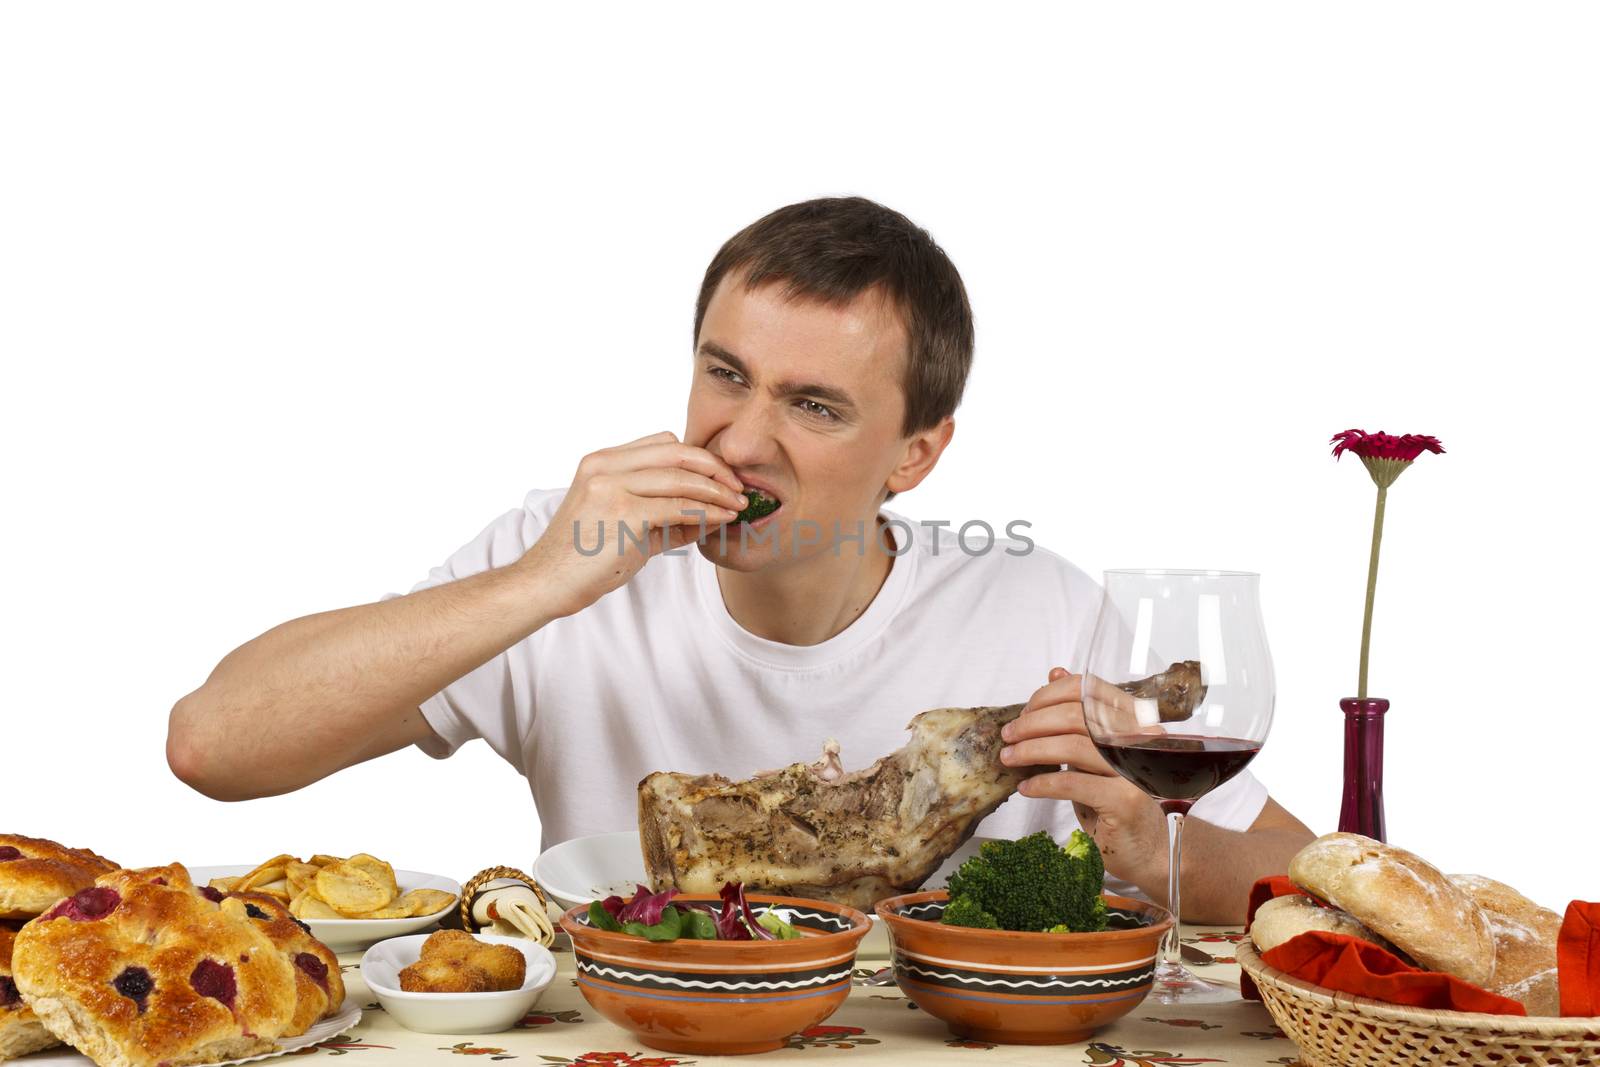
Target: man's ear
(922, 452)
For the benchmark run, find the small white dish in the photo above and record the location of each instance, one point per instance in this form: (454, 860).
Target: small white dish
(600, 865)
(351, 935)
(454, 1013)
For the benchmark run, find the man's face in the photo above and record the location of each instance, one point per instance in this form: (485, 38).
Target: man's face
(804, 401)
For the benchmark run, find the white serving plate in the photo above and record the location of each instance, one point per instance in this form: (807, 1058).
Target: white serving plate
(348, 1016)
(454, 1013)
(600, 865)
(350, 935)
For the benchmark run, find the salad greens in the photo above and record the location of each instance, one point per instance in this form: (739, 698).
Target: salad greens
(651, 916)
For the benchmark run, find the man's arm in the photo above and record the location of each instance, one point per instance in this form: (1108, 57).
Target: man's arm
(328, 691)
(1220, 866)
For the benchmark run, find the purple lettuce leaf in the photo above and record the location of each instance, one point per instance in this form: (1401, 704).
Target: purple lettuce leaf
(645, 907)
(729, 928)
(757, 931)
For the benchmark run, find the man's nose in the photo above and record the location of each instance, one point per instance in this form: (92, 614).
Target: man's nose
(750, 438)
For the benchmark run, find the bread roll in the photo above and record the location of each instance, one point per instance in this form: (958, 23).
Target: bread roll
(1283, 918)
(1402, 897)
(1524, 943)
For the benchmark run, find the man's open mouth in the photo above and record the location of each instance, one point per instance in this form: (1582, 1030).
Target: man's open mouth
(761, 505)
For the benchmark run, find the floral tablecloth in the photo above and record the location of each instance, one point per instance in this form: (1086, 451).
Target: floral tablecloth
(876, 1026)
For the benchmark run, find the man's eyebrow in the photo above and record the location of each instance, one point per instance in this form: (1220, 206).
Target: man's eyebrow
(814, 390)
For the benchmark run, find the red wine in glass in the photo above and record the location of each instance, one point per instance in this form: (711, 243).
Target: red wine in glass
(1178, 697)
(1176, 769)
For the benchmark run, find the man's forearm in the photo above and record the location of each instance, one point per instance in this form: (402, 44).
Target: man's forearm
(326, 691)
(1220, 866)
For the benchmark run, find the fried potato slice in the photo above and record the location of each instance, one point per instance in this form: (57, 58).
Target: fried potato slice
(300, 876)
(223, 885)
(307, 906)
(379, 870)
(351, 889)
(266, 874)
(278, 889)
(399, 909)
(428, 901)
(322, 859)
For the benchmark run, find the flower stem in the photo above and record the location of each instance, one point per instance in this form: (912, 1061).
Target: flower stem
(1372, 589)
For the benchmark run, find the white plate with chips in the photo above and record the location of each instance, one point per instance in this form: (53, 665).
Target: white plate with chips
(351, 935)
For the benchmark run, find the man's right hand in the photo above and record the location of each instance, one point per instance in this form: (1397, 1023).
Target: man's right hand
(656, 481)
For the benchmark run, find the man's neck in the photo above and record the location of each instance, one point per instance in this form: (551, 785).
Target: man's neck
(808, 601)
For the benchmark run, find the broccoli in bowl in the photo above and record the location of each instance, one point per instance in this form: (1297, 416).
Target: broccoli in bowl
(1031, 884)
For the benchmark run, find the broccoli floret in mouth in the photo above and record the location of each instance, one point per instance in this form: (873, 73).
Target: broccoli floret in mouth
(760, 507)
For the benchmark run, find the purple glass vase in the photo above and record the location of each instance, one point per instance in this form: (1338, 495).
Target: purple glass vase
(1362, 810)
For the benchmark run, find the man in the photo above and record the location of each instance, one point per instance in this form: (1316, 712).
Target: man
(832, 343)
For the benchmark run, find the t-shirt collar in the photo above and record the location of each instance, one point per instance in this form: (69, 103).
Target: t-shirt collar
(866, 628)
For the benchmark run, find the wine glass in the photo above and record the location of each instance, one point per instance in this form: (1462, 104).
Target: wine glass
(1177, 696)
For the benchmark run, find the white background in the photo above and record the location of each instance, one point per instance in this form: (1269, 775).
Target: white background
(294, 298)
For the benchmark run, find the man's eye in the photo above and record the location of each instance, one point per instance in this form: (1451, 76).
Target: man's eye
(821, 411)
(724, 374)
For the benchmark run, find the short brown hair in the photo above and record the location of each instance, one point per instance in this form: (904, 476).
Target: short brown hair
(836, 248)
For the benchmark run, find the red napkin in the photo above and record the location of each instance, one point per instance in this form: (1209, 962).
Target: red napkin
(1351, 965)
(1578, 959)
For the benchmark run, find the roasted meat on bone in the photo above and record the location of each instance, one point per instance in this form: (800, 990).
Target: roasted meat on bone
(812, 830)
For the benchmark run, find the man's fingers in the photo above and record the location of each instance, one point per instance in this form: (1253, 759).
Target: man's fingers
(1044, 722)
(1062, 688)
(1091, 790)
(662, 511)
(1074, 750)
(675, 537)
(673, 453)
(664, 435)
(671, 481)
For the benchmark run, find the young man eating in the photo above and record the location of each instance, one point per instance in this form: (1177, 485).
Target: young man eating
(832, 343)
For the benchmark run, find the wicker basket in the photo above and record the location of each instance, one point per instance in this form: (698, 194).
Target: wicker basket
(1340, 1030)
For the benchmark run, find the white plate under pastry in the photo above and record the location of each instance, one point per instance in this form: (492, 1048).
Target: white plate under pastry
(348, 1017)
(351, 935)
(600, 865)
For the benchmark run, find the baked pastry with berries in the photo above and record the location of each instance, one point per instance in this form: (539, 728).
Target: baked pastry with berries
(21, 1032)
(141, 970)
(319, 987)
(35, 873)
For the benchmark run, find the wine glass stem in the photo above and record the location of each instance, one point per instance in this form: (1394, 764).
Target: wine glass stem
(1170, 944)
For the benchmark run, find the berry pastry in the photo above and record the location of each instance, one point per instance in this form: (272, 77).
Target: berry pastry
(21, 1032)
(143, 969)
(35, 873)
(319, 987)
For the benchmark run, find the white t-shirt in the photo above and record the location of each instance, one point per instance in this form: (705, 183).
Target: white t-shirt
(657, 676)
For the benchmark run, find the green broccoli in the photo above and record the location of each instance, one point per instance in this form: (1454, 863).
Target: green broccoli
(1089, 877)
(1032, 884)
(759, 507)
(964, 911)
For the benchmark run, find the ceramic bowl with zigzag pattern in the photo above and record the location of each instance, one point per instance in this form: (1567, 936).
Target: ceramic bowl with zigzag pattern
(721, 997)
(1023, 988)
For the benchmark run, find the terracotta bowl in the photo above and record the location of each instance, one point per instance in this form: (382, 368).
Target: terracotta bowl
(1023, 988)
(720, 997)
